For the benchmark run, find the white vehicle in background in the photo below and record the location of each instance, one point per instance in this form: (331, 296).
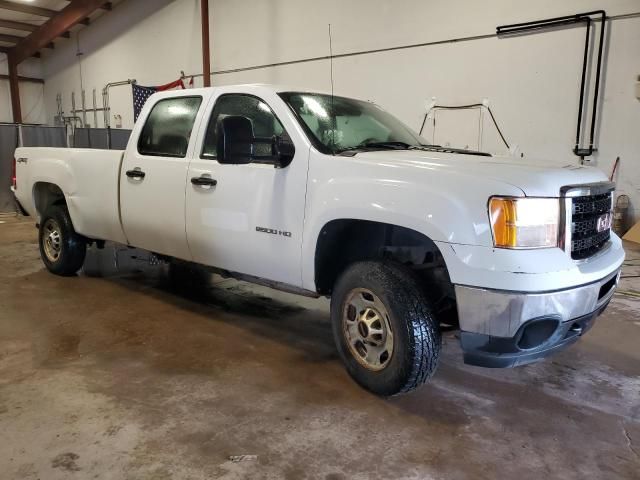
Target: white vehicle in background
(323, 195)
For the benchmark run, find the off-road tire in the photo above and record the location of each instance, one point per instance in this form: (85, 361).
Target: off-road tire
(73, 247)
(416, 334)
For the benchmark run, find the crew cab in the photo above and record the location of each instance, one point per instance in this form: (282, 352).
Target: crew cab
(325, 195)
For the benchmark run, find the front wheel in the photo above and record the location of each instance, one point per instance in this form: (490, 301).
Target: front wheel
(385, 331)
(61, 248)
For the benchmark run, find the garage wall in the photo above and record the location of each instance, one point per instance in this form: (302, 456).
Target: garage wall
(8, 143)
(531, 81)
(31, 94)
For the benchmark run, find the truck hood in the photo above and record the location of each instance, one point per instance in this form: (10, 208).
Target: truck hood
(536, 178)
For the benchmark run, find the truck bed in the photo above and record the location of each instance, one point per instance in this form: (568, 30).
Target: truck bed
(89, 179)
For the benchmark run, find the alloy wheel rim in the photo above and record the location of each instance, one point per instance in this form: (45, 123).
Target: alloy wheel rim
(52, 240)
(367, 329)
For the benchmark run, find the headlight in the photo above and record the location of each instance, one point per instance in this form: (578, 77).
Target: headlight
(524, 222)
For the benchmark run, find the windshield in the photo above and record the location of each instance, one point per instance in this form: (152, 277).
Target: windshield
(339, 124)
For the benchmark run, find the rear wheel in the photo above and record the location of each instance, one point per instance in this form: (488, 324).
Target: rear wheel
(61, 248)
(385, 331)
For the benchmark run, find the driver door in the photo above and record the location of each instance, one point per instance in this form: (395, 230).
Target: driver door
(247, 218)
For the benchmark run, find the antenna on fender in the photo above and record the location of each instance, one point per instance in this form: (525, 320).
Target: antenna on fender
(334, 127)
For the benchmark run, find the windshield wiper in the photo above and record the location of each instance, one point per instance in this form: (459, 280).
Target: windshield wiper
(393, 145)
(439, 148)
(375, 146)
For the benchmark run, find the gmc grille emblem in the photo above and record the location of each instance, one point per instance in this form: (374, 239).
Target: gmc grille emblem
(604, 222)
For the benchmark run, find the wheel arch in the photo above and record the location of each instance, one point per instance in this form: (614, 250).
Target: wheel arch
(341, 242)
(46, 194)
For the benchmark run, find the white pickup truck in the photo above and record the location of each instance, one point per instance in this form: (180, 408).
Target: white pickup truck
(331, 196)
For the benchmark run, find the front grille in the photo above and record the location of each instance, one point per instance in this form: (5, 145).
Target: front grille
(585, 212)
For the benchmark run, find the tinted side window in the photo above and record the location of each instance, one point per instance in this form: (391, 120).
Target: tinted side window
(265, 123)
(168, 127)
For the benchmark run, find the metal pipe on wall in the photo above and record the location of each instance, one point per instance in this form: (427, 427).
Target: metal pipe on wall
(73, 104)
(59, 104)
(83, 101)
(538, 25)
(105, 106)
(95, 110)
(105, 99)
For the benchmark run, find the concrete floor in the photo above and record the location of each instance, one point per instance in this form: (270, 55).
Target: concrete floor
(122, 376)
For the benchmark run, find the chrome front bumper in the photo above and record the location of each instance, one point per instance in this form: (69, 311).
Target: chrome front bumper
(501, 313)
(504, 329)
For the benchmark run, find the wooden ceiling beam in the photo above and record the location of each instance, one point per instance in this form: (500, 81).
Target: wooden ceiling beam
(106, 6)
(26, 27)
(10, 38)
(24, 8)
(23, 79)
(7, 50)
(69, 16)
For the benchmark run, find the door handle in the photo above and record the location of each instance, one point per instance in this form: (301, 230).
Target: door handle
(204, 181)
(136, 173)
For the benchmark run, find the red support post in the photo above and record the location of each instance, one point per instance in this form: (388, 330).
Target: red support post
(206, 58)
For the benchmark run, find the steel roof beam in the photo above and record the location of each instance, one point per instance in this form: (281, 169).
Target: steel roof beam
(56, 26)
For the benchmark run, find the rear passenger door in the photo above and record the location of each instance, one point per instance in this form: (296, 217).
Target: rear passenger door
(153, 176)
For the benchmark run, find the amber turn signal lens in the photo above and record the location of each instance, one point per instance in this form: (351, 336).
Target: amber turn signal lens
(503, 221)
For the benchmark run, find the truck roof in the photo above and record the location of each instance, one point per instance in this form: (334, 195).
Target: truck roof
(256, 88)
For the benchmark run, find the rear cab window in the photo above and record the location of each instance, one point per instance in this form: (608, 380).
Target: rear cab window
(168, 127)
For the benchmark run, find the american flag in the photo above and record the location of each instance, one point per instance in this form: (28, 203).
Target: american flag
(141, 94)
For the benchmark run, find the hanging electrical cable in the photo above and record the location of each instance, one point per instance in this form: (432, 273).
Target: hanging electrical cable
(463, 107)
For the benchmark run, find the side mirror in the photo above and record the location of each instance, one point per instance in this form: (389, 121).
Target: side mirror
(235, 140)
(237, 145)
(283, 150)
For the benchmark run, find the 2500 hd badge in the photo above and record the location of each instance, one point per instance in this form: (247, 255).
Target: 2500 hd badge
(273, 231)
